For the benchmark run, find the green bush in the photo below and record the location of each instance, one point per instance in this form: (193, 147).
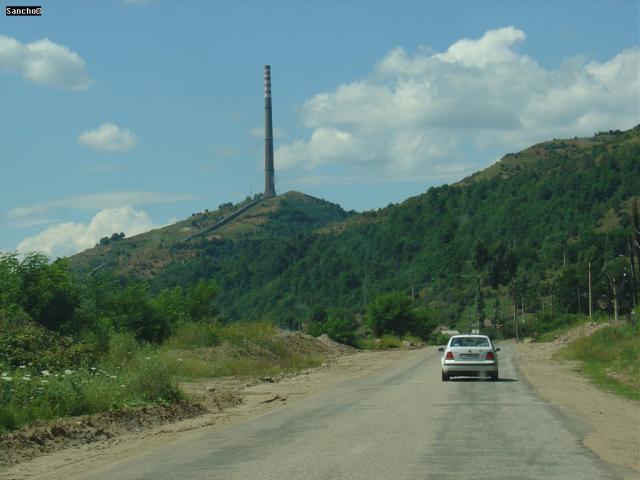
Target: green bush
(339, 328)
(191, 335)
(389, 313)
(439, 339)
(383, 343)
(8, 420)
(31, 345)
(395, 313)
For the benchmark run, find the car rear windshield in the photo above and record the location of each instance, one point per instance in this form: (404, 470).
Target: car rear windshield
(469, 342)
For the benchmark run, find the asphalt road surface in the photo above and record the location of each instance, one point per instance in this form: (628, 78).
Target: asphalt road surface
(401, 423)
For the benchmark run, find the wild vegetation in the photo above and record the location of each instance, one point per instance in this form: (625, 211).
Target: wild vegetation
(611, 358)
(68, 348)
(509, 250)
(517, 240)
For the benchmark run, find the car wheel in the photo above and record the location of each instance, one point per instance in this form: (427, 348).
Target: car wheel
(445, 377)
(494, 377)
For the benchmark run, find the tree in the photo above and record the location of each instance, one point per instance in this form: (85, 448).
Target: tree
(502, 266)
(48, 293)
(496, 313)
(480, 307)
(200, 300)
(480, 255)
(341, 329)
(389, 313)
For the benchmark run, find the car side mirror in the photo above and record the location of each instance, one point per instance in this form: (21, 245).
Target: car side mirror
(497, 349)
(441, 349)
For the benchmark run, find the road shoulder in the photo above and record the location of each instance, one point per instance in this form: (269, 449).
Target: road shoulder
(613, 421)
(251, 398)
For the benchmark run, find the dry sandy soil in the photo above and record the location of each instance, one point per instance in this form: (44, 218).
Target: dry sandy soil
(54, 450)
(614, 421)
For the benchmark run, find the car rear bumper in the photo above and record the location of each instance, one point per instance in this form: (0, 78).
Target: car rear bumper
(470, 369)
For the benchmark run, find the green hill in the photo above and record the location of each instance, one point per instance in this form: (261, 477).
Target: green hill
(540, 215)
(148, 254)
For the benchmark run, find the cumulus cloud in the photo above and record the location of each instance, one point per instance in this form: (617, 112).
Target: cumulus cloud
(108, 138)
(45, 63)
(429, 113)
(68, 238)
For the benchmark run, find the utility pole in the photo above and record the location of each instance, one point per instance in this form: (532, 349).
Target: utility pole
(590, 298)
(522, 312)
(515, 319)
(364, 283)
(633, 272)
(615, 300)
(636, 228)
(579, 302)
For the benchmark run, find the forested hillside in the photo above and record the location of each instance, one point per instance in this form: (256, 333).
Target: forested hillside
(526, 228)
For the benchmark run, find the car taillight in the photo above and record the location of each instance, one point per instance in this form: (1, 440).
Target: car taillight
(449, 356)
(490, 356)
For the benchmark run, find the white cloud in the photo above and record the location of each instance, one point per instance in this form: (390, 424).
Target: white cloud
(33, 222)
(108, 138)
(96, 201)
(431, 112)
(68, 238)
(44, 63)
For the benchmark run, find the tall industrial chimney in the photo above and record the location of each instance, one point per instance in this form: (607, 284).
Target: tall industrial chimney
(269, 183)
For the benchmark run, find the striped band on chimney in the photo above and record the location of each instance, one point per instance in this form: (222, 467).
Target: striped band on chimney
(267, 81)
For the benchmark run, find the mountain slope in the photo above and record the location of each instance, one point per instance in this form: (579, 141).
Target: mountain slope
(148, 254)
(559, 201)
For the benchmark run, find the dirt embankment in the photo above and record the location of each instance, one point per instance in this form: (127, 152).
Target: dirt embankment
(614, 421)
(53, 450)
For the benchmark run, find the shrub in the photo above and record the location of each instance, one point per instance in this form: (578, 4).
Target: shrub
(33, 345)
(383, 343)
(192, 335)
(341, 330)
(439, 339)
(8, 420)
(394, 313)
(389, 313)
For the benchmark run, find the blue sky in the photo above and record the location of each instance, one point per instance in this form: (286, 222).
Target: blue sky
(126, 115)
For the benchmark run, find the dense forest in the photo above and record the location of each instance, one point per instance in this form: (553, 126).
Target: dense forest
(519, 240)
(528, 232)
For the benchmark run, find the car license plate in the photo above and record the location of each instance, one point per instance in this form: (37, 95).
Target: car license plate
(469, 355)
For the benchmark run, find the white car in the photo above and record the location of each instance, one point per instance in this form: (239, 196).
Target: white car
(469, 356)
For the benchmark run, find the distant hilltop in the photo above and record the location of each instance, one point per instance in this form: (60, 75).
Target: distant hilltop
(541, 213)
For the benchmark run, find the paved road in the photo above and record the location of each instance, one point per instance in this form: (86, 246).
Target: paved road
(402, 423)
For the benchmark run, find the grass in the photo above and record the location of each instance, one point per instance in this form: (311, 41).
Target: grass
(610, 358)
(132, 374)
(549, 328)
(238, 349)
(127, 376)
